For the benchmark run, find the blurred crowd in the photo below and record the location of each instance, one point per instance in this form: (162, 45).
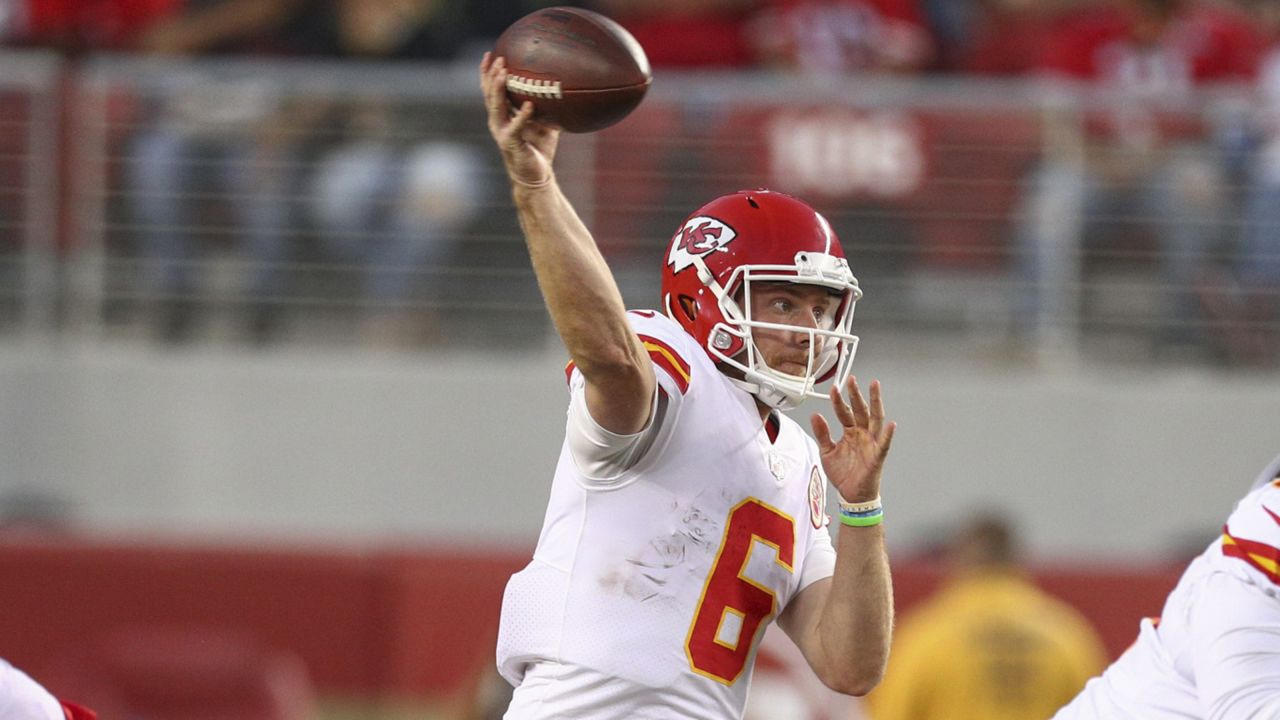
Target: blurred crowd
(1200, 189)
(995, 37)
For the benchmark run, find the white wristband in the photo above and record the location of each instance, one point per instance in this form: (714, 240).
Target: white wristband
(862, 507)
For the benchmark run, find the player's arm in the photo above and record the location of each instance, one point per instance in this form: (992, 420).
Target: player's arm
(843, 624)
(576, 283)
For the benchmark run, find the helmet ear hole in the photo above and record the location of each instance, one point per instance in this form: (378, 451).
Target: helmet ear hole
(688, 307)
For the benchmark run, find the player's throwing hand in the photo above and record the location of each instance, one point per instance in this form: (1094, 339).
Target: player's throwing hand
(527, 147)
(854, 462)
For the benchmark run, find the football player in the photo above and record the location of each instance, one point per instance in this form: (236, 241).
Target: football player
(1214, 653)
(687, 512)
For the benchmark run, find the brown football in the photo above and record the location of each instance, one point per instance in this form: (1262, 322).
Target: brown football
(582, 71)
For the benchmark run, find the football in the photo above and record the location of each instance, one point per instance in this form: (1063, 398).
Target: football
(582, 71)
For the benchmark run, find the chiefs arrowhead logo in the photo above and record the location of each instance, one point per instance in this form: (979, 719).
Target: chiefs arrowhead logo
(817, 500)
(700, 236)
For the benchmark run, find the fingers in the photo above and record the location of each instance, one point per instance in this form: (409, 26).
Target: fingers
(493, 80)
(877, 408)
(886, 439)
(860, 411)
(821, 432)
(844, 413)
(520, 119)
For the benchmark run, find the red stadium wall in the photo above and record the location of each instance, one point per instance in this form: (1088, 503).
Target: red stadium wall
(378, 623)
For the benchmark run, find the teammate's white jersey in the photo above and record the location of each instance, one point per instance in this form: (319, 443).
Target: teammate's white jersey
(1214, 653)
(648, 591)
(22, 698)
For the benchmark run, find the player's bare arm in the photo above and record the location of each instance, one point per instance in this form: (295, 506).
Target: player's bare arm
(843, 624)
(580, 292)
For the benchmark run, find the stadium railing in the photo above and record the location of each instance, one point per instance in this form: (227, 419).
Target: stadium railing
(342, 204)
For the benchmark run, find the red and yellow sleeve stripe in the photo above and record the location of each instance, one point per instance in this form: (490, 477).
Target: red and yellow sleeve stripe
(1262, 557)
(665, 357)
(662, 355)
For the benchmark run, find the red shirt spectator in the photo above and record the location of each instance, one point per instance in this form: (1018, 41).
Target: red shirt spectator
(686, 33)
(1008, 37)
(75, 25)
(1152, 50)
(832, 36)
(1139, 51)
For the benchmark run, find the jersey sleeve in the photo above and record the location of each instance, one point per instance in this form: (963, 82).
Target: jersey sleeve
(604, 458)
(819, 559)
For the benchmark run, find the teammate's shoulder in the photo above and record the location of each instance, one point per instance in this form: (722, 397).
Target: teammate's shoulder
(1252, 532)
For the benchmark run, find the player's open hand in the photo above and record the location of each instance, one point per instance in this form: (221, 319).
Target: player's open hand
(853, 463)
(528, 147)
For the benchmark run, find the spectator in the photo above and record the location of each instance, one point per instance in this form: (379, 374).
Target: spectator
(842, 36)
(74, 27)
(1137, 159)
(402, 29)
(993, 37)
(990, 645)
(686, 34)
(393, 210)
(1240, 297)
(255, 152)
(213, 137)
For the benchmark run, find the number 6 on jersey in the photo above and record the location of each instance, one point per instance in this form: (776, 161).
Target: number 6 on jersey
(733, 606)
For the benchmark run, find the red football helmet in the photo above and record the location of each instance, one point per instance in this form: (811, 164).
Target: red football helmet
(755, 236)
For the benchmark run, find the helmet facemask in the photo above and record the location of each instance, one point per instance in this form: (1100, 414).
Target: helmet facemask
(831, 350)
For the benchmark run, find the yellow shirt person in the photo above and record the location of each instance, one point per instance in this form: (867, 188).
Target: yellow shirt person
(989, 646)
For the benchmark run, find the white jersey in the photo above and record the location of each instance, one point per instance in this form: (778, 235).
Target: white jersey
(648, 591)
(22, 698)
(1214, 653)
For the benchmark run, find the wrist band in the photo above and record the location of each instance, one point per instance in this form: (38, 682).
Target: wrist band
(862, 507)
(870, 519)
(863, 514)
(533, 185)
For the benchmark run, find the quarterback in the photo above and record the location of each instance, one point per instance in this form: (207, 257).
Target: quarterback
(687, 512)
(1214, 653)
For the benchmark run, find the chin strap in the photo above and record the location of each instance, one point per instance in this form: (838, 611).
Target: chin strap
(768, 394)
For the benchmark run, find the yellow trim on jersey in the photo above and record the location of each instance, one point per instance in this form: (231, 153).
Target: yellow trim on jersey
(675, 361)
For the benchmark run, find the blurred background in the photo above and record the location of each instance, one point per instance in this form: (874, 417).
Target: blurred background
(279, 402)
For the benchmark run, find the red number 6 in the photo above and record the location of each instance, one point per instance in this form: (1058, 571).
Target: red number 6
(729, 598)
